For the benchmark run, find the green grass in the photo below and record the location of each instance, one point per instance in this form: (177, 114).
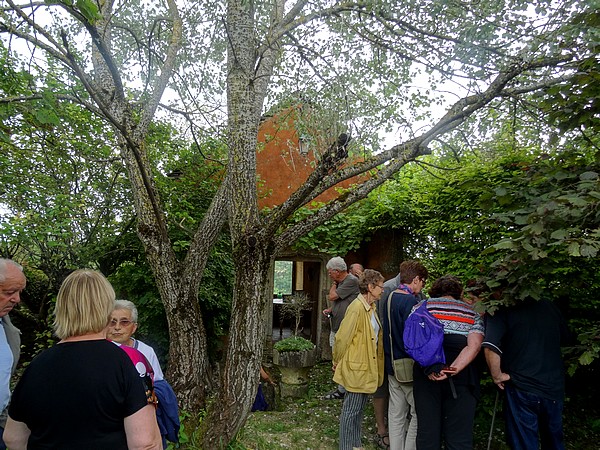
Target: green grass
(306, 423)
(312, 424)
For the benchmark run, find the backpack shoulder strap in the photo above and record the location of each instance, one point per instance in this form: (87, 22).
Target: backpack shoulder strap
(389, 309)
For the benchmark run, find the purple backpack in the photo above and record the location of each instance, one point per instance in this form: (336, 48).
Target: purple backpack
(424, 337)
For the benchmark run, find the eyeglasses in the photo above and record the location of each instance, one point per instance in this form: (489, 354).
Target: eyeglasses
(122, 322)
(379, 286)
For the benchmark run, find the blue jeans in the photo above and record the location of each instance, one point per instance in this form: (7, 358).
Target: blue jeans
(2, 444)
(528, 415)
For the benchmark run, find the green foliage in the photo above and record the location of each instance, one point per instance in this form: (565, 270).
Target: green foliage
(574, 103)
(89, 10)
(75, 210)
(182, 436)
(338, 236)
(550, 214)
(293, 344)
(189, 431)
(282, 278)
(67, 192)
(523, 220)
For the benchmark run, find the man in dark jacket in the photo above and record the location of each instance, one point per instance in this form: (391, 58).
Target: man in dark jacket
(522, 349)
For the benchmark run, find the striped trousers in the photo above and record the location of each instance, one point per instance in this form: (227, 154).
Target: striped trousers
(351, 420)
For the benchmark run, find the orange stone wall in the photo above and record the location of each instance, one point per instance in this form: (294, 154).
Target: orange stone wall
(280, 167)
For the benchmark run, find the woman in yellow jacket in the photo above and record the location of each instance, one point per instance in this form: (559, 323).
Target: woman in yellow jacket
(358, 357)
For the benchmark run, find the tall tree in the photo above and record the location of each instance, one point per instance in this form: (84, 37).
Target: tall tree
(358, 64)
(63, 186)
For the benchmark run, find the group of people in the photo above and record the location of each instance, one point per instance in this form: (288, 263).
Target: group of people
(89, 382)
(97, 388)
(433, 407)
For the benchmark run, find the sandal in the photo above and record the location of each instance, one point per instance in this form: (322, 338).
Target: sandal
(333, 395)
(380, 440)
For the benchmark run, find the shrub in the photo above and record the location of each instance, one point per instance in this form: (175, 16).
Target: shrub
(293, 344)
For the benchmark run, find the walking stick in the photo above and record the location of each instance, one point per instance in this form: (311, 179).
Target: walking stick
(493, 418)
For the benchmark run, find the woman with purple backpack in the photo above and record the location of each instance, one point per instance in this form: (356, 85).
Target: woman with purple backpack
(446, 396)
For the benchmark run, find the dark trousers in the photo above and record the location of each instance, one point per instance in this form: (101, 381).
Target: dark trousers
(441, 417)
(528, 415)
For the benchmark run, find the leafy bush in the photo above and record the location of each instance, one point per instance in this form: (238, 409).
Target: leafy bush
(293, 344)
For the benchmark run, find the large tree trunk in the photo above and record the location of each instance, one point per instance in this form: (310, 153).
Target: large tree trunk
(177, 282)
(252, 247)
(188, 370)
(240, 379)
(178, 288)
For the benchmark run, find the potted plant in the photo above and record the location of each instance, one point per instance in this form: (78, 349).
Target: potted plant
(294, 355)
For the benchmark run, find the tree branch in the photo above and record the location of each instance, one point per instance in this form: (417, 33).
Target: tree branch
(396, 157)
(166, 71)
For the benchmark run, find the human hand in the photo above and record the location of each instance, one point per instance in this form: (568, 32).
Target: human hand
(437, 376)
(444, 373)
(327, 312)
(500, 379)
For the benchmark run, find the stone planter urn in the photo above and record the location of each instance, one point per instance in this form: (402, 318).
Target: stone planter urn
(294, 367)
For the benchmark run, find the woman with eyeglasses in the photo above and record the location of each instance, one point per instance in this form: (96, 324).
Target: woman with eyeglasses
(83, 393)
(123, 324)
(358, 357)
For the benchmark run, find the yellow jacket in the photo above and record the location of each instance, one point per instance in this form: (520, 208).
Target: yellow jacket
(358, 357)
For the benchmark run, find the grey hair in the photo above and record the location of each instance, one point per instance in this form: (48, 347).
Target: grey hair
(4, 263)
(126, 304)
(337, 263)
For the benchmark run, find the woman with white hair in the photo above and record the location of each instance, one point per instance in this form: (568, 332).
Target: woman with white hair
(123, 323)
(84, 392)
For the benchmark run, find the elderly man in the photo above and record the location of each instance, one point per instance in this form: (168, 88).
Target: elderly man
(12, 283)
(356, 269)
(343, 291)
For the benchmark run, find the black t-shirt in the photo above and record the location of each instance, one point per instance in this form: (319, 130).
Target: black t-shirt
(76, 395)
(528, 338)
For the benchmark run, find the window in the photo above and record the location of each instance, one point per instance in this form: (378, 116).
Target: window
(282, 284)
